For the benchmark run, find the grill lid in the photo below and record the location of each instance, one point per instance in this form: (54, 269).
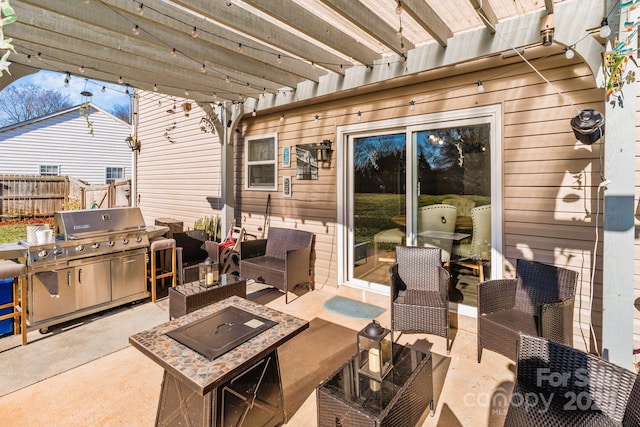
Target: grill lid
(72, 225)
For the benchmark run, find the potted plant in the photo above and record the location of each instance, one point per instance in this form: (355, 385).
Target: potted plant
(210, 225)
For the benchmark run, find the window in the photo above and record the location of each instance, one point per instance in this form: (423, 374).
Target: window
(50, 170)
(261, 163)
(114, 174)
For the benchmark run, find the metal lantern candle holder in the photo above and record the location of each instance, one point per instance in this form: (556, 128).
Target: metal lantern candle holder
(208, 272)
(374, 351)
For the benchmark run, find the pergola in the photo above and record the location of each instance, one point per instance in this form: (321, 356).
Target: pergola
(269, 54)
(265, 53)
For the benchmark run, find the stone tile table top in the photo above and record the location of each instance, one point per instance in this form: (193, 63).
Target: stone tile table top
(198, 372)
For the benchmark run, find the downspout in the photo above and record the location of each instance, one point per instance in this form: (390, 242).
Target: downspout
(133, 191)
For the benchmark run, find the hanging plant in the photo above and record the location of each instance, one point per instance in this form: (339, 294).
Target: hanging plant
(615, 61)
(85, 111)
(8, 16)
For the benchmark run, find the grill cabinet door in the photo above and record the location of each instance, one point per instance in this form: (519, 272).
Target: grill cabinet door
(52, 294)
(128, 274)
(93, 283)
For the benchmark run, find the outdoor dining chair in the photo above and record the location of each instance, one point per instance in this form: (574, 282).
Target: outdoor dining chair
(538, 302)
(420, 292)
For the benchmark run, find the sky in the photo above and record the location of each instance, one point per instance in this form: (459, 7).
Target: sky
(112, 95)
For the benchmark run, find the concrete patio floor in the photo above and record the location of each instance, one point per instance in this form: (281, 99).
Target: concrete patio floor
(122, 388)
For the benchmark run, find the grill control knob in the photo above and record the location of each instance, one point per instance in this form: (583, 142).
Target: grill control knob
(138, 239)
(79, 248)
(111, 243)
(43, 254)
(95, 245)
(58, 251)
(125, 241)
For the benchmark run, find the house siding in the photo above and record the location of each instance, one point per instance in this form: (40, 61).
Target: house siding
(178, 169)
(549, 179)
(64, 140)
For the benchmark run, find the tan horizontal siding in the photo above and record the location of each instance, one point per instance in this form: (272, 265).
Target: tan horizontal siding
(549, 180)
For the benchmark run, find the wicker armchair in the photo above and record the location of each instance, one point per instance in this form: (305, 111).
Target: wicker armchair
(538, 302)
(571, 388)
(420, 292)
(283, 260)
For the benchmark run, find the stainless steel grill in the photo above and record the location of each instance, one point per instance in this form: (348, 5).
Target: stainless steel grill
(96, 261)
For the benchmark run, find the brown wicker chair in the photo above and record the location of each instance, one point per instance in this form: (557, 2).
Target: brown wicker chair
(283, 260)
(419, 289)
(557, 385)
(538, 302)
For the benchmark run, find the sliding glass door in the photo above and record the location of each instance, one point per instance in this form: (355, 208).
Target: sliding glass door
(379, 180)
(433, 181)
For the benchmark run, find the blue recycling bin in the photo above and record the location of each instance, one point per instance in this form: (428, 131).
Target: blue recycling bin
(6, 296)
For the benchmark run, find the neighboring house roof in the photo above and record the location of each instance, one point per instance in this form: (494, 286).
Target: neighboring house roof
(60, 113)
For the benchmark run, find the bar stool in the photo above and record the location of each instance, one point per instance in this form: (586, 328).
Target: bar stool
(18, 272)
(159, 247)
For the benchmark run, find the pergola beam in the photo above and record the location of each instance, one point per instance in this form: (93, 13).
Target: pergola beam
(304, 21)
(270, 33)
(487, 14)
(427, 17)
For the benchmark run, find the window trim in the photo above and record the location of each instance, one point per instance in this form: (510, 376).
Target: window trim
(274, 162)
(106, 174)
(57, 170)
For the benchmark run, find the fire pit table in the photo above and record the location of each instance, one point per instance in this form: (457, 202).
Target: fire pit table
(209, 382)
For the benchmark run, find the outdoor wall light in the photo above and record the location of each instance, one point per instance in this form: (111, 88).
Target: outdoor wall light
(322, 149)
(547, 28)
(133, 143)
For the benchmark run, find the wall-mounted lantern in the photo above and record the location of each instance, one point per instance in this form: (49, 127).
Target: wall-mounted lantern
(133, 143)
(322, 150)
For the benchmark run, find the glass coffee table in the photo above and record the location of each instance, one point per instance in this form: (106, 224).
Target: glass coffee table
(349, 398)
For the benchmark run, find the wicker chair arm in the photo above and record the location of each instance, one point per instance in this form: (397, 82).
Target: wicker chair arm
(445, 278)
(298, 258)
(253, 248)
(393, 281)
(496, 295)
(556, 321)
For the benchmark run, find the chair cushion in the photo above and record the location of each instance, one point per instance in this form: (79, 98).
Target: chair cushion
(421, 298)
(161, 243)
(393, 235)
(10, 269)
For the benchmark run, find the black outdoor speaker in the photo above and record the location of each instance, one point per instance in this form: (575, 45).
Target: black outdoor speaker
(588, 126)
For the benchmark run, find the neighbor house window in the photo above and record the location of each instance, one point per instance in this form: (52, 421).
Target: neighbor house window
(261, 162)
(114, 174)
(50, 170)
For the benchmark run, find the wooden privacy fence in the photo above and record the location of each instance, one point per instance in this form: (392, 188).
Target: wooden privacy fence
(30, 196)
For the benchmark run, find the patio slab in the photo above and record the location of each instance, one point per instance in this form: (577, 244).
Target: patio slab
(122, 387)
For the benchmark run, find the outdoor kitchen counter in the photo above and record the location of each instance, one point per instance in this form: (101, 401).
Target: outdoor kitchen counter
(12, 251)
(202, 376)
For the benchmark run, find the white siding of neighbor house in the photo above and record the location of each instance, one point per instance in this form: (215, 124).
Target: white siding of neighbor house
(549, 179)
(63, 139)
(178, 168)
